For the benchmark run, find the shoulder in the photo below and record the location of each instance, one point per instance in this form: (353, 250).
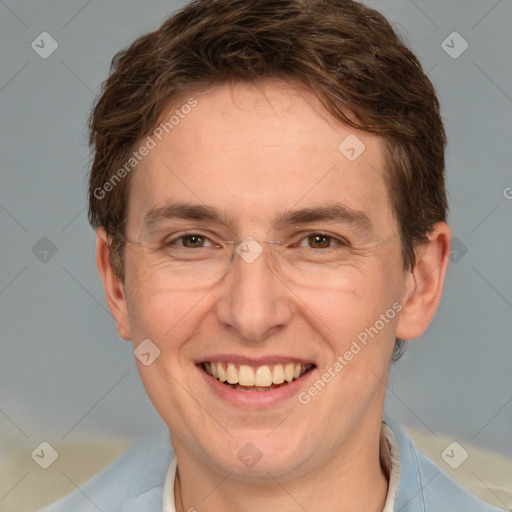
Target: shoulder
(425, 487)
(132, 482)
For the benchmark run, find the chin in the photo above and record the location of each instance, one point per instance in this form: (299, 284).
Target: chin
(253, 457)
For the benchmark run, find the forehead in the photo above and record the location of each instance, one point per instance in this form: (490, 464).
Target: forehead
(252, 150)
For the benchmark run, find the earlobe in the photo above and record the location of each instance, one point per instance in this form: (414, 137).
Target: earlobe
(424, 284)
(112, 285)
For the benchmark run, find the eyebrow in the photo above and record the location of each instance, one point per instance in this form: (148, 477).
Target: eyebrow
(184, 211)
(335, 212)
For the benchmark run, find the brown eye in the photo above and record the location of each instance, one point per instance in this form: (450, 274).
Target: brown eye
(193, 241)
(318, 241)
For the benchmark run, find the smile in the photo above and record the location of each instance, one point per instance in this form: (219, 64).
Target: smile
(255, 378)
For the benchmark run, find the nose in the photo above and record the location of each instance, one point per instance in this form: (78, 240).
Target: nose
(254, 302)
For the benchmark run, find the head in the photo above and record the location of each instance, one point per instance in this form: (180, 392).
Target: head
(270, 116)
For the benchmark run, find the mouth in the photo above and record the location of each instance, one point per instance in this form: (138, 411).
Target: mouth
(248, 378)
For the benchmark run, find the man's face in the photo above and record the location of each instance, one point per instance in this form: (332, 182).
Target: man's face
(257, 154)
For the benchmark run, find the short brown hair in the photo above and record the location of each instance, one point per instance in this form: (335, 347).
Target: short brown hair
(344, 52)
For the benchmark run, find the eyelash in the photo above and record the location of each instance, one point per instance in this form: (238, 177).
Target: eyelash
(339, 241)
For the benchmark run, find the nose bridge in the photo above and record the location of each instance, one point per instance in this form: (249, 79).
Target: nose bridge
(253, 301)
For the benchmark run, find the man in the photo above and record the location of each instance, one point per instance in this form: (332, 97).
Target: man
(268, 194)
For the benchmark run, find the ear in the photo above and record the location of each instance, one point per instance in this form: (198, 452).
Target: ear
(424, 284)
(113, 285)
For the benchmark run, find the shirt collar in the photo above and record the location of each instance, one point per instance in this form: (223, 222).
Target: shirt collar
(390, 460)
(389, 456)
(168, 504)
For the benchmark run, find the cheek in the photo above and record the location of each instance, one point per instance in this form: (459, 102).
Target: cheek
(163, 316)
(154, 307)
(364, 308)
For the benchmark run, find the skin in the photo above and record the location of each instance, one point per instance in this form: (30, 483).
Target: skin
(251, 151)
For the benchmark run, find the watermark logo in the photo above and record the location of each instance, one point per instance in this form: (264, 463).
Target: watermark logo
(44, 45)
(458, 250)
(249, 250)
(249, 454)
(454, 45)
(454, 455)
(44, 455)
(352, 147)
(146, 352)
(44, 250)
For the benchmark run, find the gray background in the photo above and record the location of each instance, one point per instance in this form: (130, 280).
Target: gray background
(64, 373)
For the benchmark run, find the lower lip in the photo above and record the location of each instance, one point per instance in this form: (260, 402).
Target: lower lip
(255, 399)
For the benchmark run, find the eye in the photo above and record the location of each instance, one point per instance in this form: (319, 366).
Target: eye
(321, 241)
(189, 241)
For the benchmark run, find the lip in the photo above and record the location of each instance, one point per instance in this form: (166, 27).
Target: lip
(256, 399)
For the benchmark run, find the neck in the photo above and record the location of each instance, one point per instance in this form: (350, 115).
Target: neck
(352, 478)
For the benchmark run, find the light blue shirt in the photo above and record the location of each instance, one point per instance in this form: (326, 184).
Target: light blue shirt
(135, 482)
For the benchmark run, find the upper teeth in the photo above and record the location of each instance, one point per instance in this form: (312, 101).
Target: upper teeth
(262, 376)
